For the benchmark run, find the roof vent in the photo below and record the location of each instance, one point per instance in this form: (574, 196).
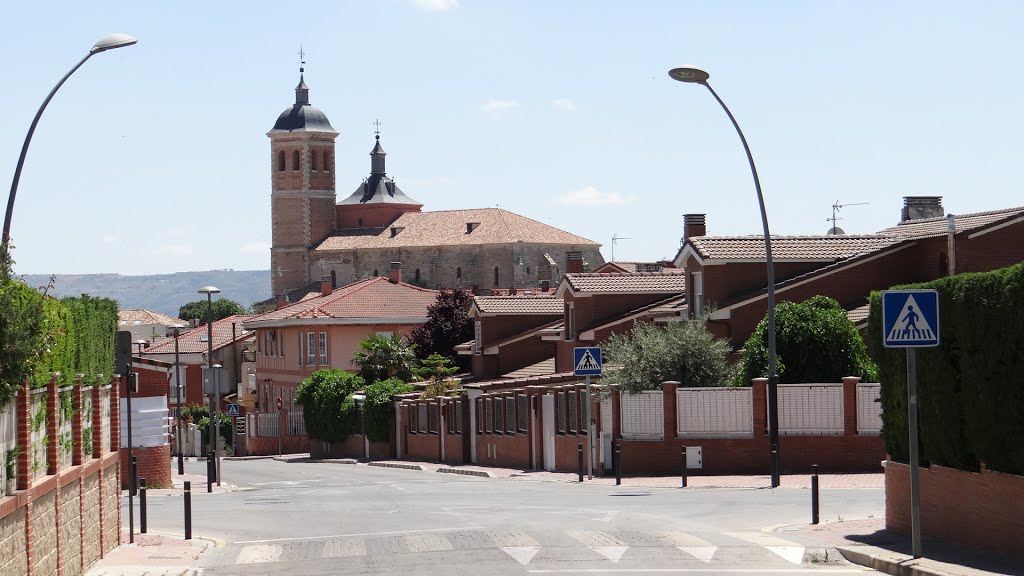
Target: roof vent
(470, 226)
(395, 230)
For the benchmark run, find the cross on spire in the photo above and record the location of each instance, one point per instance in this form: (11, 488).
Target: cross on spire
(376, 124)
(302, 60)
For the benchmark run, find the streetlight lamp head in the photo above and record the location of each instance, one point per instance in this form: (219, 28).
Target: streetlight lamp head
(690, 74)
(111, 42)
(209, 290)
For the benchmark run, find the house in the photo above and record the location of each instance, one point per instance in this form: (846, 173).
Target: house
(315, 236)
(147, 325)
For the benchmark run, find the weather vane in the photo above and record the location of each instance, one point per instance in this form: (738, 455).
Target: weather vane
(302, 60)
(376, 124)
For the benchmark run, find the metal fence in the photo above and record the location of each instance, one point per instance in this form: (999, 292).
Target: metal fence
(268, 425)
(714, 412)
(869, 408)
(811, 409)
(643, 416)
(296, 424)
(8, 436)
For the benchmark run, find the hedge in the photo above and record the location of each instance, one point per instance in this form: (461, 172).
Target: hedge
(971, 387)
(80, 335)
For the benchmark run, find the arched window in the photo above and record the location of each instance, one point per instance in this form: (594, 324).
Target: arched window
(313, 155)
(496, 280)
(295, 160)
(327, 161)
(375, 272)
(458, 273)
(280, 161)
(417, 275)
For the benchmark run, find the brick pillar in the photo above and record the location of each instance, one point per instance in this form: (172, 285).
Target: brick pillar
(759, 401)
(115, 415)
(76, 422)
(97, 422)
(24, 430)
(668, 391)
(850, 405)
(52, 425)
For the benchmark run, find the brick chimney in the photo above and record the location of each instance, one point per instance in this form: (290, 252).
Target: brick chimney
(280, 301)
(395, 273)
(573, 262)
(919, 207)
(326, 286)
(694, 225)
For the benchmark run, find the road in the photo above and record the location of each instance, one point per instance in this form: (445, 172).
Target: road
(319, 518)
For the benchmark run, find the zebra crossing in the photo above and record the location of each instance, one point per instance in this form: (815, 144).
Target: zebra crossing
(537, 548)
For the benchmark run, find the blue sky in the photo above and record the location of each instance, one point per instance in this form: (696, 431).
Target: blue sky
(153, 158)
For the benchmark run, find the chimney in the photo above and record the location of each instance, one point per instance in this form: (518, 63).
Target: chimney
(280, 301)
(395, 273)
(573, 262)
(693, 226)
(920, 207)
(326, 286)
(545, 285)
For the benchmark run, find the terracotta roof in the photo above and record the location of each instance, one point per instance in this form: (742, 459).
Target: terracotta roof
(619, 266)
(816, 248)
(520, 304)
(634, 283)
(448, 228)
(506, 383)
(371, 299)
(859, 315)
(194, 340)
(541, 368)
(964, 222)
(138, 316)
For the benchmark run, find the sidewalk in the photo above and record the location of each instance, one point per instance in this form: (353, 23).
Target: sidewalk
(152, 555)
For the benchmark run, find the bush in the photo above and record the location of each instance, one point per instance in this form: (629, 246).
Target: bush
(378, 409)
(383, 357)
(327, 405)
(448, 324)
(815, 341)
(649, 355)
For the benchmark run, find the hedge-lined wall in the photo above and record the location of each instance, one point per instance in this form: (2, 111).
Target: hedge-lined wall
(971, 387)
(81, 336)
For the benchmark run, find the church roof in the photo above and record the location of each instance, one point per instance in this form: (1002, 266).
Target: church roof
(302, 116)
(378, 188)
(454, 228)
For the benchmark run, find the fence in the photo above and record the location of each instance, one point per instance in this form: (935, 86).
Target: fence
(268, 425)
(869, 408)
(810, 409)
(8, 439)
(643, 416)
(38, 437)
(715, 412)
(296, 424)
(65, 412)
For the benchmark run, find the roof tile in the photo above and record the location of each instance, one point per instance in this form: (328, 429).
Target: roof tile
(632, 283)
(371, 298)
(536, 304)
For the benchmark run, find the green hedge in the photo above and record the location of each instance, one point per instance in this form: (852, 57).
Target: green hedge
(327, 405)
(378, 410)
(970, 387)
(80, 335)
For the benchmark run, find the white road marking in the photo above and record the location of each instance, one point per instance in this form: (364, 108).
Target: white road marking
(522, 554)
(427, 543)
(345, 547)
(613, 553)
(788, 551)
(794, 554)
(512, 539)
(702, 553)
(258, 554)
(329, 536)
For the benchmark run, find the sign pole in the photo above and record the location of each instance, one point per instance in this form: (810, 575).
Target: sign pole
(590, 443)
(915, 487)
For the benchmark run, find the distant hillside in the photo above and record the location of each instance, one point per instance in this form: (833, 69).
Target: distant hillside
(164, 293)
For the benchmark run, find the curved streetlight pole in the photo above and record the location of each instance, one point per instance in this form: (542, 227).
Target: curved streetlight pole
(215, 390)
(102, 45)
(692, 75)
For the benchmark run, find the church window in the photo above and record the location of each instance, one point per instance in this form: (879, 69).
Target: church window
(496, 277)
(417, 275)
(280, 161)
(375, 272)
(313, 156)
(458, 273)
(327, 161)
(295, 160)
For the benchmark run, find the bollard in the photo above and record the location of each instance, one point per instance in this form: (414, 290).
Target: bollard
(188, 510)
(684, 467)
(814, 494)
(617, 464)
(579, 460)
(131, 500)
(134, 488)
(211, 470)
(775, 466)
(181, 463)
(142, 505)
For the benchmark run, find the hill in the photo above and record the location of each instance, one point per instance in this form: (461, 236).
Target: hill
(164, 293)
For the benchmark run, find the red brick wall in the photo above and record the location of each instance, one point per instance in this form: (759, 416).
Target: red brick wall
(510, 450)
(265, 446)
(998, 249)
(496, 328)
(454, 448)
(976, 509)
(373, 216)
(152, 463)
(422, 447)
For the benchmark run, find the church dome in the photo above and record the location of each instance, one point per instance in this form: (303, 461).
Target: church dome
(302, 116)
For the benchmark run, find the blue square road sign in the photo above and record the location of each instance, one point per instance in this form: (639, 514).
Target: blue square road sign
(910, 318)
(586, 361)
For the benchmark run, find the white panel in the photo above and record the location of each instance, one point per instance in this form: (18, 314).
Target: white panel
(643, 415)
(8, 434)
(149, 422)
(711, 412)
(811, 409)
(869, 408)
(606, 415)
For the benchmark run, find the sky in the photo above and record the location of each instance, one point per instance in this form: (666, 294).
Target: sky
(154, 158)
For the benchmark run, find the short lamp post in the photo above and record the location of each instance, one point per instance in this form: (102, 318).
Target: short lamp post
(102, 45)
(177, 386)
(215, 392)
(692, 75)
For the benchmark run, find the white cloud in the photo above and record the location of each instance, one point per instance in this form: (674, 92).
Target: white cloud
(255, 248)
(495, 105)
(591, 196)
(563, 104)
(437, 5)
(173, 250)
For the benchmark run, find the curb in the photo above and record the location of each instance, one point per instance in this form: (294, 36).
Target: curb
(398, 465)
(464, 472)
(890, 562)
(307, 460)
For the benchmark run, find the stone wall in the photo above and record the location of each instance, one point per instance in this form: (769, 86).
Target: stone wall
(69, 530)
(44, 534)
(90, 519)
(110, 509)
(12, 543)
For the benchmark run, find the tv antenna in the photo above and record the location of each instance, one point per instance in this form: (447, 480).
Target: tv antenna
(834, 230)
(616, 238)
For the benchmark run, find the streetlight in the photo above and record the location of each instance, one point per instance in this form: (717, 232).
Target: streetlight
(692, 75)
(215, 392)
(102, 45)
(177, 383)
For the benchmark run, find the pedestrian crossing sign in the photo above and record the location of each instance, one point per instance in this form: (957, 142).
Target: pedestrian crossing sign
(910, 318)
(232, 410)
(586, 361)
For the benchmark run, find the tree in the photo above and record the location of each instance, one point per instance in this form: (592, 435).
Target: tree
(378, 409)
(22, 329)
(436, 370)
(815, 341)
(327, 405)
(221, 309)
(384, 357)
(448, 324)
(648, 355)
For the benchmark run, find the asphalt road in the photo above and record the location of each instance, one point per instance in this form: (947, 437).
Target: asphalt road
(318, 518)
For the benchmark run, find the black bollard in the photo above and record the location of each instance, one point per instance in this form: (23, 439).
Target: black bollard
(617, 464)
(188, 510)
(579, 460)
(814, 494)
(142, 505)
(211, 471)
(684, 467)
(181, 463)
(775, 466)
(134, 488)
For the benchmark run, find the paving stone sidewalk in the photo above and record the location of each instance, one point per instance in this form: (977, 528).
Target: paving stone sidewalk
(152, 555)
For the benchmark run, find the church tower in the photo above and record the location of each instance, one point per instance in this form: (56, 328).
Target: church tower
(302, 193)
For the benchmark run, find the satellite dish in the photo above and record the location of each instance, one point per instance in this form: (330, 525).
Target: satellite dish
(835, 231)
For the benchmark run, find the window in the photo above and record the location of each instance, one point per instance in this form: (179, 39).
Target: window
(570, 325)
(280, 161)
(310, 348)
(560, 408)
(478, 337)
(499, 414)
(327, 161)
(312, 157)
(458, 416)
(479, 416)
(524, 407)
(301, 337)
(295, 160)
(422, 410)
(697, 279)
(417, 276)
(323, 348)
(510, 415)
(571, 408)
(496, 277)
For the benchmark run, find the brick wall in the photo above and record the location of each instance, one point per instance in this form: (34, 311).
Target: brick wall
(152, 463)
(976, 509)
